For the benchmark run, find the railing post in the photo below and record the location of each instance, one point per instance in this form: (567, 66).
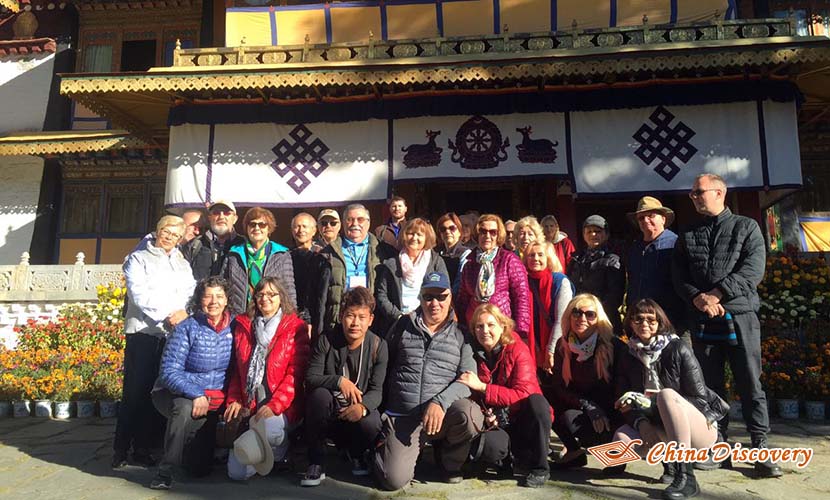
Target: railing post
(76, 276)
(20, 277)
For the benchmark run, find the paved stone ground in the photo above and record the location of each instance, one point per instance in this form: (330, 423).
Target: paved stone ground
(49, 459)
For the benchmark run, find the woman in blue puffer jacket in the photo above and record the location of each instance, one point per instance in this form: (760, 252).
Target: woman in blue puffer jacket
(191, 382)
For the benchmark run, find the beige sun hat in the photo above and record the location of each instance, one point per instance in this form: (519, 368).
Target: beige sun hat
(252, 447)
(651, 204)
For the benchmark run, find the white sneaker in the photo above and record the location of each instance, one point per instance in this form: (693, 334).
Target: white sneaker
(313, 476)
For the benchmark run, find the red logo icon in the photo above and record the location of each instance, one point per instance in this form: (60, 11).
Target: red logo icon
(616, 453)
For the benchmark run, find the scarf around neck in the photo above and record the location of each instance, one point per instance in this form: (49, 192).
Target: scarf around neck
(264, 330)
(414, 272)
(256, 264)
(583, 350)
(486, 274)
(648, 354)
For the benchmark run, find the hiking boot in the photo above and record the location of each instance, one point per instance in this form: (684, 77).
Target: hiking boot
(684, 484)
(767, 468)
(314, 475)
(536, 479)
(570, 460)
(668, 473)
(161, 482)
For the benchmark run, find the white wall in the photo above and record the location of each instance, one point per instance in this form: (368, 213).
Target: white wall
(20, 178)
(24, 91)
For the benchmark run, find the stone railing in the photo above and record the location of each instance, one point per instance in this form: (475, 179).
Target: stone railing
(37, 292)
(516, 43)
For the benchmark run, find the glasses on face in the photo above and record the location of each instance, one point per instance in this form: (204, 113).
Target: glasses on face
(440, 297)
(166, 233)
(254, 224)
(262, 295)
(492, 232)
(449, 229)
(650, 216)
(589, 315)
(219, 211)
(645, 320)
(330, 223)
(697, 193)
(359, 220)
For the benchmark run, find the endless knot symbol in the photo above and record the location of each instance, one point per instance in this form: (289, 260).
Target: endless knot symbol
(300, 158)
(665, 143)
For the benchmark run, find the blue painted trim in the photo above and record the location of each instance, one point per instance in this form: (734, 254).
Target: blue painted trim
(439, 16)
(340, 5)
(553, 19)
(273, 20)
(813, 219)
(802, 237)
(209, 179)
(327, 14)
(673, 15)
(496, 17)
(384, 23)
(762, 136)
(612, 22)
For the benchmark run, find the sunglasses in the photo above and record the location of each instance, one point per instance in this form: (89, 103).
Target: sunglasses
(429, 297)
(453, 228)
(218, 211)
(260, 225)
(642, 320)
(332, 223)
(589, 315)
(492, 232)
(697, 193)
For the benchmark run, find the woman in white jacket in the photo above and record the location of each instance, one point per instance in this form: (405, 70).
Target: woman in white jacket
(159, 285)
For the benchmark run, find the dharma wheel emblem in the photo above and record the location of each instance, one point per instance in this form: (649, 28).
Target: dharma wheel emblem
(300, 158)
(478, 144)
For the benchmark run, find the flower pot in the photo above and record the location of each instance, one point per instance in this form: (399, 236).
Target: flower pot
(85, 409)
(5, 408)
(21, 408)
(43, 408)
(107, 409)
(787, 408)
(63, 409)
(735, 410)
(815, 410)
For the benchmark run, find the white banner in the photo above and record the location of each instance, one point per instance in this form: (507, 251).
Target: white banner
(479, 146)
(278, 165)
(663, 148)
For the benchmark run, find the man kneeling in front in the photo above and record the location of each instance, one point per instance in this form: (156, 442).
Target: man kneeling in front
(425, 401)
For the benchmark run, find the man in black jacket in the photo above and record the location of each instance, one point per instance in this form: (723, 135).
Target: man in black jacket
(717, 266)
(207, 252)
(345, 380)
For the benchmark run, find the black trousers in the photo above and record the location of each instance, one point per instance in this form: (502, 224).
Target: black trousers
(139, 424)
(575, 430)
(528, 435)
(188, 442)
(745, 363)
(321, 421)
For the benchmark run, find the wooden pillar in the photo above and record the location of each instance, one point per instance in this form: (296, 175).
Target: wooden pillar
(750, 206)
(565, 212)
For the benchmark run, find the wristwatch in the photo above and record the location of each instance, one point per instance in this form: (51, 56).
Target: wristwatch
(365, 411)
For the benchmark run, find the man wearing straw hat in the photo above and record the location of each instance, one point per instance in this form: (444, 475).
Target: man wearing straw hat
(650, 258)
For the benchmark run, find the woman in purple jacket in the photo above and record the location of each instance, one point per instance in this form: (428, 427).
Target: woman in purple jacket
(495, 276)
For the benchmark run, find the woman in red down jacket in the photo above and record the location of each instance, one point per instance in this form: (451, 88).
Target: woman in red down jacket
(517, 415)
(495, 276)
(271, 353)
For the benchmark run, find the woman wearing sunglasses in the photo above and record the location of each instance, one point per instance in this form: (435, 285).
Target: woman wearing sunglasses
(662, 394)
(451, 249)
(582, 393)
(256, 258)
(495, 276)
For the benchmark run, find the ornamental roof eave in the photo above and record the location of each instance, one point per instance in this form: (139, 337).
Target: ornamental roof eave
(67, 142)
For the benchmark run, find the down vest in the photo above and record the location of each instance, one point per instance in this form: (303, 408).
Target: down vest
(727, 252)
(195, 358)
(285, 366)
(512, 295)
(424, 368)
(388, 288)
(512, 378)
(278, 265)
(677, 368)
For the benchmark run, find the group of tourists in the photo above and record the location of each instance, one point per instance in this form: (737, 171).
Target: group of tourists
(476, 340)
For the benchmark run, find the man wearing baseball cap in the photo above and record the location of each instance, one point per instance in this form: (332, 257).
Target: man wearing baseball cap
(328, 226)
(649, 261)
(207, 251)
(424, 400)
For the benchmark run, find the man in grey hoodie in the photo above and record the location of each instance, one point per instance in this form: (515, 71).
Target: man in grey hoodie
(424, 400)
